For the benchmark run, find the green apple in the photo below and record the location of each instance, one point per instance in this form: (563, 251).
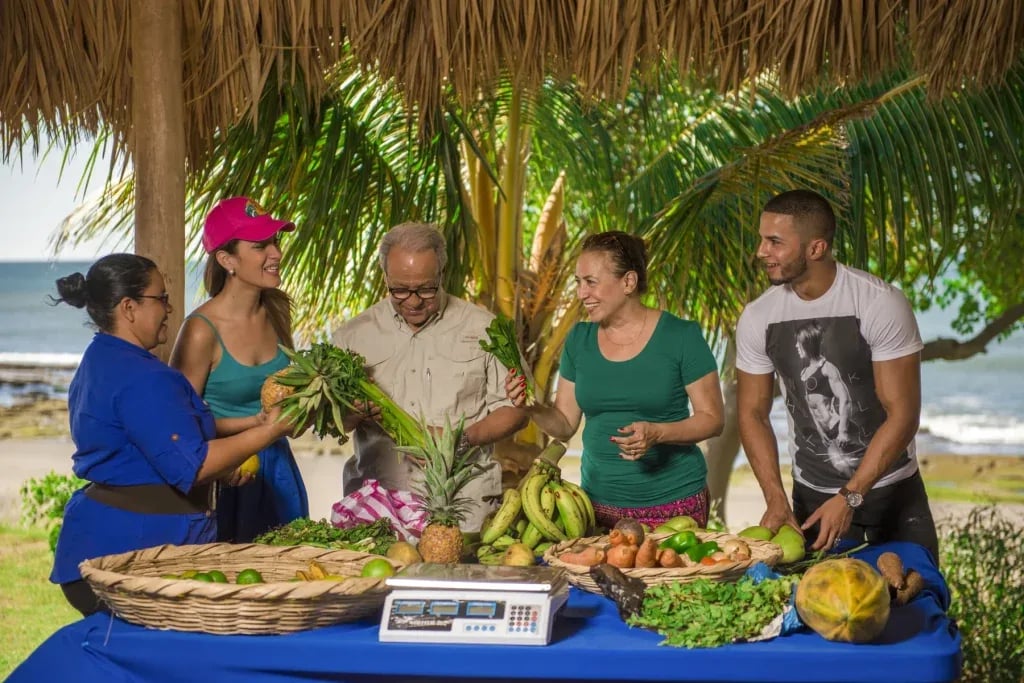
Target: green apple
(760, 533)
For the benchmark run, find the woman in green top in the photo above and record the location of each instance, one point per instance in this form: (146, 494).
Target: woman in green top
(634, 372)
(228, 347)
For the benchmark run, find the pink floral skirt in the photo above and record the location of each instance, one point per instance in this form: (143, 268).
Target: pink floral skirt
(695, 506)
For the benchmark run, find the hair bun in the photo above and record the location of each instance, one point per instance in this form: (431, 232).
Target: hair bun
(72, 290)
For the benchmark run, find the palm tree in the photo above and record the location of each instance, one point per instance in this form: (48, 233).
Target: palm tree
(517, 178)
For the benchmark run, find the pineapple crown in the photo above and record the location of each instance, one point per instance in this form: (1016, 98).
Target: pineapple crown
(446, 472)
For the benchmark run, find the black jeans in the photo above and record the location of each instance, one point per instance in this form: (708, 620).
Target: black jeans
(898, 512)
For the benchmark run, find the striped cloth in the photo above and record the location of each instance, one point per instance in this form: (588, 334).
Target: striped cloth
(372, 502)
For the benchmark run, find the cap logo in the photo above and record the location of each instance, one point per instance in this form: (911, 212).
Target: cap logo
(252, 209)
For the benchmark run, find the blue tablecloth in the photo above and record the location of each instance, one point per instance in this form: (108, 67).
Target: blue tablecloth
(920, 644)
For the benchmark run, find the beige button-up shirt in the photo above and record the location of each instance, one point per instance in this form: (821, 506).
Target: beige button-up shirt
(436, 371)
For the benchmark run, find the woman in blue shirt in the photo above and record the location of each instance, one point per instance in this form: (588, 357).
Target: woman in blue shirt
(143, 437)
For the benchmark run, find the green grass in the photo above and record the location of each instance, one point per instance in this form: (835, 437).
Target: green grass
(31, 608)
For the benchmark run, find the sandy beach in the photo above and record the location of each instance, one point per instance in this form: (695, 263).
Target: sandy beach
(321, 466)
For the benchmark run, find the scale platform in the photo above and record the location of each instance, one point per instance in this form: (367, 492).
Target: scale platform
(472, 603)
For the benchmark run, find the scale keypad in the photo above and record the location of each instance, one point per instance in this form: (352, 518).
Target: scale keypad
(523, 619)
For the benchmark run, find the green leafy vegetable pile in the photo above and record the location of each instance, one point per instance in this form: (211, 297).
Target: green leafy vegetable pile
(501, 341)
(372, 537)
(328, 380)
(705, 613)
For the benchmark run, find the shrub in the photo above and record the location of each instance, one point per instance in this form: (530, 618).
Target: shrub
(43, 501)
(983, 563)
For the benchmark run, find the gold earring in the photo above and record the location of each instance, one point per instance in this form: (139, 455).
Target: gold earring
(231, 272)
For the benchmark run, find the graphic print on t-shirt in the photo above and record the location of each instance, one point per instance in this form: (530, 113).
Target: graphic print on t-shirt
(825, 367)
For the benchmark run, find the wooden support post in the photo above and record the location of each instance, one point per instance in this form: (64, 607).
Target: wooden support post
(158, 134)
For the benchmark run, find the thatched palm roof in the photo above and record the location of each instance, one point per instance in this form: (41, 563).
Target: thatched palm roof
(65, 64)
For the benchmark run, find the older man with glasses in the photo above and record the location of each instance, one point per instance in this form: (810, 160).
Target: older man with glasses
(422, 347)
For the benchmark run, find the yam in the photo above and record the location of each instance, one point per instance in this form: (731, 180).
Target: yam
(622, 556)
(647, 555)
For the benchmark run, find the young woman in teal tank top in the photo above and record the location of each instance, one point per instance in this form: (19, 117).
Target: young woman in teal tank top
(648, 385)
(228, 347)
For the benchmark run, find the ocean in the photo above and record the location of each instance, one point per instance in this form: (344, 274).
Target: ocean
(974, 406)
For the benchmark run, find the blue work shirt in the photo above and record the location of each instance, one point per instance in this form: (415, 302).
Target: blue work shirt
(134, 420)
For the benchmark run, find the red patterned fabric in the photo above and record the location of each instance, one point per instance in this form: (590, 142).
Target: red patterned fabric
(372, 502)
(695, 506)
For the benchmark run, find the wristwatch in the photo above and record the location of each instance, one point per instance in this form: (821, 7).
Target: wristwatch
(853, 499)
(463, 445)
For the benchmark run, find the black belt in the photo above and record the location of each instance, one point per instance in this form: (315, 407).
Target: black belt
(152, 499)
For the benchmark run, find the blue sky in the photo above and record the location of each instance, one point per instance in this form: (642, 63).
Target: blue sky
(36, 198)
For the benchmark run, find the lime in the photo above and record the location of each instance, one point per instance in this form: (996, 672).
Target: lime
(189, 573)
(217, 576)
(203, 576)
(248, 576)
(377, 568)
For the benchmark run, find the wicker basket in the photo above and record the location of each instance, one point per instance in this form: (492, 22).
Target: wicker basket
(579, 575)
(132, 585)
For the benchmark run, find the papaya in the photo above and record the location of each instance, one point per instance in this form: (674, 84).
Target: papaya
(844, 599)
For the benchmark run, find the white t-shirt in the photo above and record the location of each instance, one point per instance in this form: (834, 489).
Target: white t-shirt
(822, 351)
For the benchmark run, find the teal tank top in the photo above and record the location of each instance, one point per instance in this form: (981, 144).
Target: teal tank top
(233, 389)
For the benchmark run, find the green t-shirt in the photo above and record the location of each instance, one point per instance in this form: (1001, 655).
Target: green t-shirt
(650, 387)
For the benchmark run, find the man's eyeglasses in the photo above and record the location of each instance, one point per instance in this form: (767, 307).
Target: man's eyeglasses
(164, 298)
(403, 293)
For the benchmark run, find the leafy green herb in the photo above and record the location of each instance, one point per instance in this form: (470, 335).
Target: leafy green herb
(328, 382)
(372, 537)
(705, 613)
(501, 341)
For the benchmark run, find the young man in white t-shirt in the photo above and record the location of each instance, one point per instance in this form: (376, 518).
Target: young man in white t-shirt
(846, 348)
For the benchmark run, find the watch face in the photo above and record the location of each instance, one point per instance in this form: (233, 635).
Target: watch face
(854, 499)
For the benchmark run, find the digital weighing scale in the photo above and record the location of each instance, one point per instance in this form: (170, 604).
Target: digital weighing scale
(472, 603)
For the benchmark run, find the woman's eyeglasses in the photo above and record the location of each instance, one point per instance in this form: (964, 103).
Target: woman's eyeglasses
(164, 298)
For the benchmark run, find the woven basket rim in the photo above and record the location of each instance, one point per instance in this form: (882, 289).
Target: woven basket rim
(579, 575)
(274, 606)
(105, 571)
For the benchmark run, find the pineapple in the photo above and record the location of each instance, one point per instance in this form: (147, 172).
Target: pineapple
(445, 475)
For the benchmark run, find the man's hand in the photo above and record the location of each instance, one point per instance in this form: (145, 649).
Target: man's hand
(776, 518)
(237, 478)
(833, 517)
(367, 410)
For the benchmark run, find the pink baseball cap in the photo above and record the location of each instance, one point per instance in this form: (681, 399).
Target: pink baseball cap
(239, 218)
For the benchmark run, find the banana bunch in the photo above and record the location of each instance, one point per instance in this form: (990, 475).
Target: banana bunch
(544, 509)
(316, 572)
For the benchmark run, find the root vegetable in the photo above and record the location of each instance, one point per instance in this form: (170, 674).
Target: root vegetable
(669, 558)
(631, 529)
(912, 585)
(622, 556)
(647, 555)
(588, 557)
(891, 567)
(616, 537)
